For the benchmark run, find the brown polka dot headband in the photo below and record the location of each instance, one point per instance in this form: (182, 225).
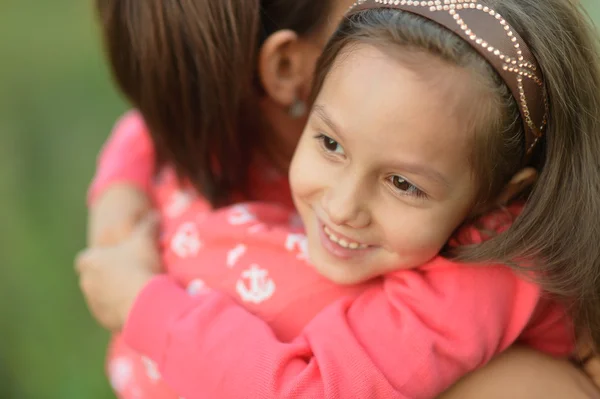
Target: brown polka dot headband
(492, 36)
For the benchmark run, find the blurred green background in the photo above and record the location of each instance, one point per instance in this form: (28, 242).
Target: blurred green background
(56, 108)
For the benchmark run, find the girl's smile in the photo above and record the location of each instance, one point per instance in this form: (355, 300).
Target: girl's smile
(341, 246)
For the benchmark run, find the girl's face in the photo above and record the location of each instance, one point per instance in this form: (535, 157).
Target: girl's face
(381, 176)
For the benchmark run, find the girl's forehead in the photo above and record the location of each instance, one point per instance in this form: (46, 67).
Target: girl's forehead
(416, 88)
(381, 107)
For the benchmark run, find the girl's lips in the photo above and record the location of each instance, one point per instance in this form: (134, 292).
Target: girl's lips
(341, 246)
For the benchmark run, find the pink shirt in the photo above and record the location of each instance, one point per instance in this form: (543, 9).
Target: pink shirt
(410, 334)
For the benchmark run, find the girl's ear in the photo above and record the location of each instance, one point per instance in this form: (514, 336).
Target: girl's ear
(281, 67)
(522, 180)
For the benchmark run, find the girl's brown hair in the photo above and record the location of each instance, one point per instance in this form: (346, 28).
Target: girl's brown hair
(189, 66)
(559, 229)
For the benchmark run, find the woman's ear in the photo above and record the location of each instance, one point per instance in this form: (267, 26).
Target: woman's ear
(522, 180)
(281, 67)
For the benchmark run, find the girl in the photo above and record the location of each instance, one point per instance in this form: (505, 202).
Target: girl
(447, 189)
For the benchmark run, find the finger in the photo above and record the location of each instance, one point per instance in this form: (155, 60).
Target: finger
(123, 231)
(90, 257)
(148, 226)
(84, 286)
(83, 258)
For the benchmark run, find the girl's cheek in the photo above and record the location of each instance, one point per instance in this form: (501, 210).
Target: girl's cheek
(307, 170)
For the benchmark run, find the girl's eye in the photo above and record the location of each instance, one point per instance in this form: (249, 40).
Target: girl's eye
(405, 187)
(329, 144)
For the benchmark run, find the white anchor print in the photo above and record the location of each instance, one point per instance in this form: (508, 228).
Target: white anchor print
(197, 287)
(235, 254)
(239, 215)
(297, 242)
(261, 286)
(179, 201)
(120, 371)
(185, 242)
(257, 228)
(151, 369)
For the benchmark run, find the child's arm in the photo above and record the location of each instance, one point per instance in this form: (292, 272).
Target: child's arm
(411, 337)
(118, 195)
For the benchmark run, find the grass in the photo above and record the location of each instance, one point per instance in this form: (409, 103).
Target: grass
(56, 107)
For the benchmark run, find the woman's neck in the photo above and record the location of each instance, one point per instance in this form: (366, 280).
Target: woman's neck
(279, 135)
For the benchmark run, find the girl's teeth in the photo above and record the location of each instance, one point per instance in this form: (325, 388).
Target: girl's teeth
(341, 242)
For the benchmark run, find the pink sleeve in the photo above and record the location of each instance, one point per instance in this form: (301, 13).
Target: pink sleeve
(548, 315)
(127, 157)
(410, 337)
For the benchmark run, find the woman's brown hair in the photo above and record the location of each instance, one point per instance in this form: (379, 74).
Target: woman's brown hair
(189, 66)
(559, 228)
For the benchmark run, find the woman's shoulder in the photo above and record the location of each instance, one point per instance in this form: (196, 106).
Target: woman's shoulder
(130, 123)
(487, 226)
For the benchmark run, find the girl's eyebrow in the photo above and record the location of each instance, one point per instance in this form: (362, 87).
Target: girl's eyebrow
(320, 111)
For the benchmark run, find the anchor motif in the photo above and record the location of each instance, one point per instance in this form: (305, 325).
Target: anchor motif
(197, 287)
(240, 215)
(257, 228)
(261, 286)
(297, 242)
(186, 242)
(151, 369)
(235, 254)
(120, 372)
(179, 201)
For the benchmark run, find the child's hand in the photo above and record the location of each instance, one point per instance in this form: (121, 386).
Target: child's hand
(112, 277)
(115, 213)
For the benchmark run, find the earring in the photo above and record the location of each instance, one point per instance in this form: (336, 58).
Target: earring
(297, 109)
